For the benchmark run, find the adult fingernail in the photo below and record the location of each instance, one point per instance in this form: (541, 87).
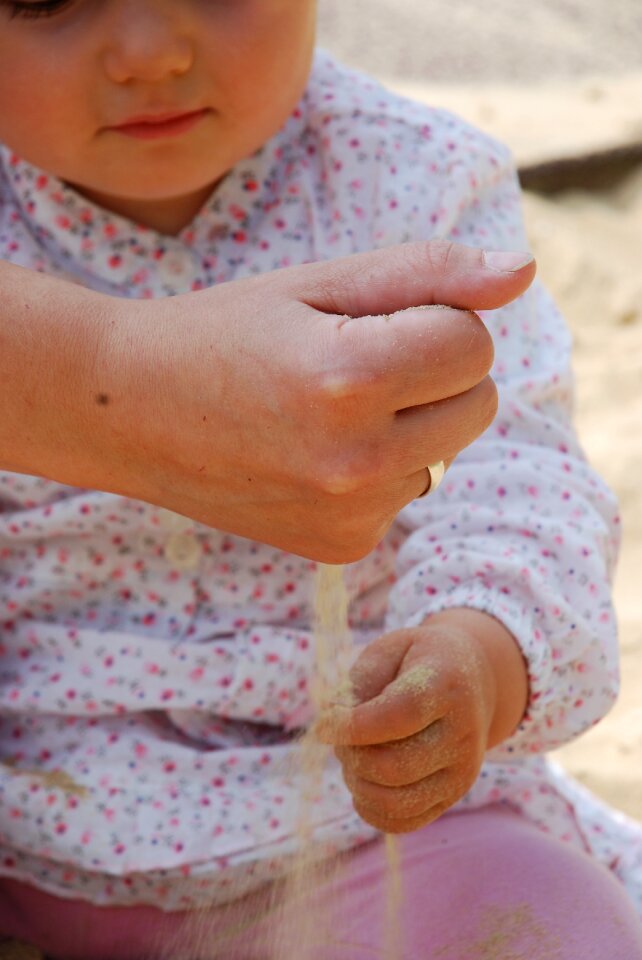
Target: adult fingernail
(504, 262)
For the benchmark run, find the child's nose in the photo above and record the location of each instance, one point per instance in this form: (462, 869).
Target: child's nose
(152, 42)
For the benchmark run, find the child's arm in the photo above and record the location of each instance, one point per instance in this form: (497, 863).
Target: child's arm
(258, 406)
(522, 528)
(430, 701)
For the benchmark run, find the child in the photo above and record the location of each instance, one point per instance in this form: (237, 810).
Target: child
(154, 667)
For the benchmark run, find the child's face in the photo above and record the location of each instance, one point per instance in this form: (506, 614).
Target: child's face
(71, 71)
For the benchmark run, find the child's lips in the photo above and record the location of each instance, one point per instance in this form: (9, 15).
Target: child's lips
(150, 127)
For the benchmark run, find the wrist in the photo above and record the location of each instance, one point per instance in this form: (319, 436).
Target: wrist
(505, 664)
(66, 411)
(104, 412)
(153, 350)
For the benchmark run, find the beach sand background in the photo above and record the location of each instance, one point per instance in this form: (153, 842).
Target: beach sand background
(557, 80)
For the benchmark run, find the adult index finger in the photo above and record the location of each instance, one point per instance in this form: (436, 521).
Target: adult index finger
(415, 274)
(407, 705)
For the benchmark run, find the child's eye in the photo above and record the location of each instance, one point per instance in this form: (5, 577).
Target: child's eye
(37, 8)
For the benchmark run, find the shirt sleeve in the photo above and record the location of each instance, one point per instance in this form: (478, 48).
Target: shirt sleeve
(522, 527)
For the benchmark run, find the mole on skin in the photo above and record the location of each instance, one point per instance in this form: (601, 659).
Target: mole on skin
(102, 399)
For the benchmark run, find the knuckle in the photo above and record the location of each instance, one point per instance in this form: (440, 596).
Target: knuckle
(441, 255)
(338, 479)
(334, 480)
(350, 375)
(351, 469)
(335, 383)
(342, 394)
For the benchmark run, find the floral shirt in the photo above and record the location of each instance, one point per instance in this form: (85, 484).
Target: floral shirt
(152, 670)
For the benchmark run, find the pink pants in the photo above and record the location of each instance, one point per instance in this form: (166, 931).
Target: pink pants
(481, 885)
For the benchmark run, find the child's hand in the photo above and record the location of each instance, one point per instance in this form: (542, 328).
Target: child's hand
(430, 701)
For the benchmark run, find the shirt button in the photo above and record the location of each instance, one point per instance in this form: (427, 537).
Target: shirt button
(183, 551)
(177, 269)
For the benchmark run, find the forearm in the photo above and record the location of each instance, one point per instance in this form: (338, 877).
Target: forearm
(57, 377)
(506, 664)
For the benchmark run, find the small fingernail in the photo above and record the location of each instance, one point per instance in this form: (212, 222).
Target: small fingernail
(503, 262)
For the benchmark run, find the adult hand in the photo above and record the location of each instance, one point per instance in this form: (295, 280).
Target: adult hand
(428, 702)
(300, 408)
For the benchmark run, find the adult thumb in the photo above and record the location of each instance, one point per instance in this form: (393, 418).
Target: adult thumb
(416, 274)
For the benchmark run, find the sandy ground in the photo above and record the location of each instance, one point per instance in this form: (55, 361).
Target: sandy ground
(555, 78)
(454, 41)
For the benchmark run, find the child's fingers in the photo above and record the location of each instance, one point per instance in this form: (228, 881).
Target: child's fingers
(379, 664)
(411, 702)
(403, 762)
(412, 274)
(393, 824)
(401, 803)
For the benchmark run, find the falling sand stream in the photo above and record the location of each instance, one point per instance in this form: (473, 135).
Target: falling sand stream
(314, 927)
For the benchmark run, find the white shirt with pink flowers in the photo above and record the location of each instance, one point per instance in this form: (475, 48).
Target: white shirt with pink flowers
(152, 670)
